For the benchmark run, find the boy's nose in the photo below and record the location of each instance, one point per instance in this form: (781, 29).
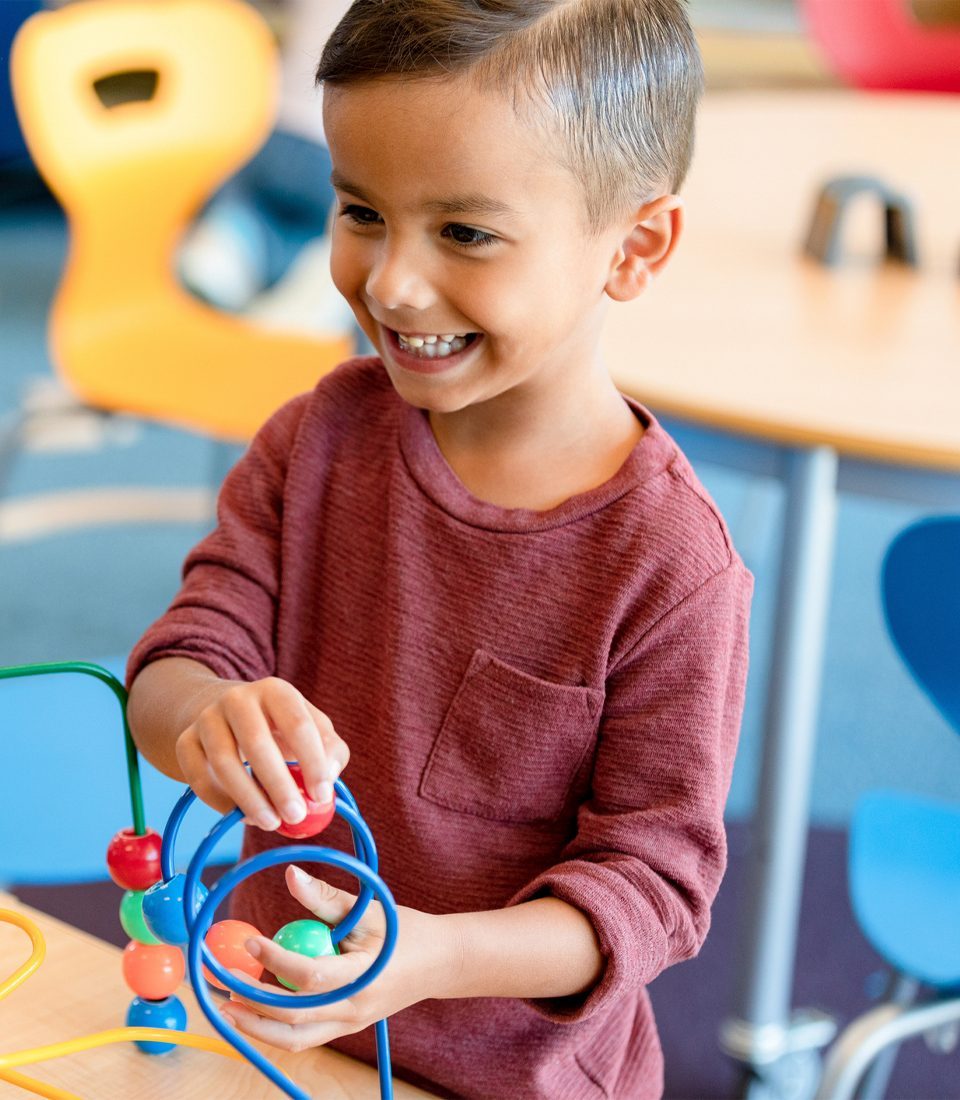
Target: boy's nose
(396, 281)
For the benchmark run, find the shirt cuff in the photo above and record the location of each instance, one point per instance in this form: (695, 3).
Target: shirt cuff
(629, 930)
(216, 658)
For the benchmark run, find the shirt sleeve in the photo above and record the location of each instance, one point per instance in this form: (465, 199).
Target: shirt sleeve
(225, 612)
(650, 848)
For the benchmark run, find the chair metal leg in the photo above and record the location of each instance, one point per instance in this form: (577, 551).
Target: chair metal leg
(764, 1029)
(870, 1034)
(901, 990)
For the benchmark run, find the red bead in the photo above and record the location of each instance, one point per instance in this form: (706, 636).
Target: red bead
(319, 815)
(225, 942)
(153, 970)
(134, 861)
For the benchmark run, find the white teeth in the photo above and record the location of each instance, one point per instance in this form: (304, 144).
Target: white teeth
(431, 339)
(432, 347)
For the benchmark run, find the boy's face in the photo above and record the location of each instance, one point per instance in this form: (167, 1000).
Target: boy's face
(455, 219)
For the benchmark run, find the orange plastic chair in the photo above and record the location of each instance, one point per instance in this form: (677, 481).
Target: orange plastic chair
(124, 335)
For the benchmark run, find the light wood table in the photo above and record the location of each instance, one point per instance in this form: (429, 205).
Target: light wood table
(742, 332)
(826, 379)
(79, 989)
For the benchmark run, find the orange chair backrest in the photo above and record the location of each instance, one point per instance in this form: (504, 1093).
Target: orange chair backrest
(124, 335)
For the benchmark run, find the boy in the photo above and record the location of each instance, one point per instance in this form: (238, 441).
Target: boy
(477, 565)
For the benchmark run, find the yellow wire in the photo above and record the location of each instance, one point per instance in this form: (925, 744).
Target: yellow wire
(19, 976)
(85, 1042)
(51, 1092)
(118, 1035)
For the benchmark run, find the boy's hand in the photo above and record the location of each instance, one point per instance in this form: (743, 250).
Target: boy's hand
(265, 723)
(423, 965)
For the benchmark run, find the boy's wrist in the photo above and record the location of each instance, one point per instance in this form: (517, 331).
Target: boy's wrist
(446, 953)
(540, 949)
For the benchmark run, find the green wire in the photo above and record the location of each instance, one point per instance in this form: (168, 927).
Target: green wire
(106, 677)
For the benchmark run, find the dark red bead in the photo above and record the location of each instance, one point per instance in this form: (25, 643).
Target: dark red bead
(134, 861)
(318, 816)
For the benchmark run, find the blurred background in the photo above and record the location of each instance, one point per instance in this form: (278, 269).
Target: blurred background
(97, 511)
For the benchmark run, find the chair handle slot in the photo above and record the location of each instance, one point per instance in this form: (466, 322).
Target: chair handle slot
(130, 86)
(833, 201)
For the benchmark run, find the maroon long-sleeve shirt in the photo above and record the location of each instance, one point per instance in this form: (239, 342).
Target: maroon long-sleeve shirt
(535, 702)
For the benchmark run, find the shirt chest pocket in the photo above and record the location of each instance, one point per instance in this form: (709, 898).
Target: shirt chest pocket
(511, 744)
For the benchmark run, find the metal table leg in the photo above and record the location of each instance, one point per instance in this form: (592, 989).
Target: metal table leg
(764, 1034)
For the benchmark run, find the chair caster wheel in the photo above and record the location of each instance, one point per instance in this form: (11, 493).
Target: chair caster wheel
(792, 1077)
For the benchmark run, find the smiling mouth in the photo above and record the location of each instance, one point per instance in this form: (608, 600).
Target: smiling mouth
(434, 347)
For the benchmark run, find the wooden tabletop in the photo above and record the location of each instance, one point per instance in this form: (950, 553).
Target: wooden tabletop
(743, 333)
(79, 989)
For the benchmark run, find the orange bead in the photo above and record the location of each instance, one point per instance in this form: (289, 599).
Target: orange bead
(153, 971)
(225, 942)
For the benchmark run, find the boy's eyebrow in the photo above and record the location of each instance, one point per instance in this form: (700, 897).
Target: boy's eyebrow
(472, 204)
(455, 204)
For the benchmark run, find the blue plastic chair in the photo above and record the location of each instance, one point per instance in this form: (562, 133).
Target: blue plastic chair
(904, 861)
(65, 789)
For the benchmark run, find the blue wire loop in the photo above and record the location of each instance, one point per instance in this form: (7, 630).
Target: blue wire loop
(362, 865)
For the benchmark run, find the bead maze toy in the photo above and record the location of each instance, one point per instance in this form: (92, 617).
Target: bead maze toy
(168, 916)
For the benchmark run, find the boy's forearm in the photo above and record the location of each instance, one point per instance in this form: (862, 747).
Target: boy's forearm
(541, 948)
(165, 698)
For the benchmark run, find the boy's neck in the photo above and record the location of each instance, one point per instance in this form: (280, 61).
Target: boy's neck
(537, 453)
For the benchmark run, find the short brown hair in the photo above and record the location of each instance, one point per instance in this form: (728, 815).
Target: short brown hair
(622, 77)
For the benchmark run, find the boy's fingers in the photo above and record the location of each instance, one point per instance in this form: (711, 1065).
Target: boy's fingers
(224, 764)
(294, 720)
(247, 794)
(263, 724)
(289, 1014)
(337, 750)
(322, 975)
(293, 1037)
(323, 900)
(257, 745)
(298, 970)
(193, 764)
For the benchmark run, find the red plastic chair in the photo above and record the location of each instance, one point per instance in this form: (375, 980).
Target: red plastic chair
(881, 44)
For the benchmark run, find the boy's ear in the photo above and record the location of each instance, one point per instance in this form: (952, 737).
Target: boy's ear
(653, 234)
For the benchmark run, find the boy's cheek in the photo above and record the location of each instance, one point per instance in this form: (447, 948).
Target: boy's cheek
(343, 272)
(351, 293)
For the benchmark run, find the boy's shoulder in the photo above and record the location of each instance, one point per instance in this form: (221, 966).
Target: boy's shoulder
(361, 378)
(676, 533)
(677, 500)
(354, 395)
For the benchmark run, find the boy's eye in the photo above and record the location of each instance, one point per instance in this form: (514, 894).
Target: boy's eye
(360, 215)
(467, 237)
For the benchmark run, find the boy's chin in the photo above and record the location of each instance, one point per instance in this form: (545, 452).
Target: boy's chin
(426, 394)
(430, 399)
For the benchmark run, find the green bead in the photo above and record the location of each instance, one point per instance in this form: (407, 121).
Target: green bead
(306, 937)
(131, 917)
